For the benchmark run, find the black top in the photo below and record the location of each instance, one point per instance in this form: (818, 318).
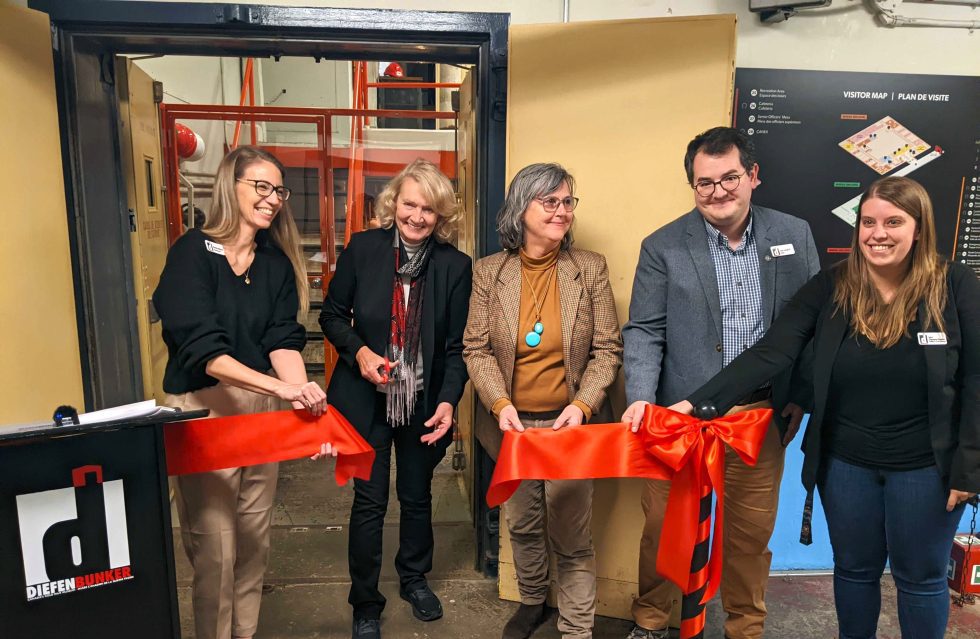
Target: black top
(952, 378)
(357, 312)
(878, 408)
(209, 311)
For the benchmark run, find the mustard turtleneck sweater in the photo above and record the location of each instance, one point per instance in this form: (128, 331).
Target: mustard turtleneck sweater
(538, 384)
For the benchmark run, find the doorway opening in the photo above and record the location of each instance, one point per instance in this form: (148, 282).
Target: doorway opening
(112, 266)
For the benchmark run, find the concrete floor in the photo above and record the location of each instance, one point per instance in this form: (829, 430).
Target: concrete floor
(308, 577)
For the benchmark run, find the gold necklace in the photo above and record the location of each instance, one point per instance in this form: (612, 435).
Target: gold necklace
(248, 271)
(533, 337)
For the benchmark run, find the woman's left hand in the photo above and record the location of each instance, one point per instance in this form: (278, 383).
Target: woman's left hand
(326, 450)
(957, 497)
(571, 416)
(441, 422)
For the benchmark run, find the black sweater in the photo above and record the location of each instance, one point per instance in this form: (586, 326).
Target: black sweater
(209, 311)
(952, 373)
(878, 405)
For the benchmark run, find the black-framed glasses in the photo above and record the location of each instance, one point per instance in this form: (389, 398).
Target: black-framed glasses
(706, 188)
(550, 204)
(265, 189)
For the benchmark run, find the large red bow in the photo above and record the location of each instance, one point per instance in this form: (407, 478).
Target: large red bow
(669, 445)
(200, 445)
(695, 452)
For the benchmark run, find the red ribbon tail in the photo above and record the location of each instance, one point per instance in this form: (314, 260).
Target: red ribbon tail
(676, 547)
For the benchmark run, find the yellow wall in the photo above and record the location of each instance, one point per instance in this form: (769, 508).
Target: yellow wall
(616, 103)
(39, 358)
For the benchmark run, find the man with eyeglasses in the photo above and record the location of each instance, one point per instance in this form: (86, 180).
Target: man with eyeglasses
(707, 286)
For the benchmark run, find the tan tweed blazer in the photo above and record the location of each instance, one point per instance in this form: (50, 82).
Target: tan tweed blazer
(591, 342)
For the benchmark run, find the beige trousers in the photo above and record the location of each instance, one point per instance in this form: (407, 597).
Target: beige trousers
(225, 516)
(559, 512)
(751, 496)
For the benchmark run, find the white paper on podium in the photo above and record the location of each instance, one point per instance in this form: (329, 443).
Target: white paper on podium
(126, 411)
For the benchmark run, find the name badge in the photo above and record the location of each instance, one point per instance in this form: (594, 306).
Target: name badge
(214, 247)
(781, 250)
(932, 339)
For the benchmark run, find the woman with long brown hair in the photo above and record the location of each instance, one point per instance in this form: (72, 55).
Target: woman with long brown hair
(228, 300)
(893, 442)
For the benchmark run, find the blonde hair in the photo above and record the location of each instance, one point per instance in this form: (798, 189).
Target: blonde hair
(436, 188)
(223, 221)
(884, 324)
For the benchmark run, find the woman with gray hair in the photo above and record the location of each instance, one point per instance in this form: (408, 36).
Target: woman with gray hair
(542, 344)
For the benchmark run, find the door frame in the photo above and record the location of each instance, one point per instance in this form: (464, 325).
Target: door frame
(86, 36)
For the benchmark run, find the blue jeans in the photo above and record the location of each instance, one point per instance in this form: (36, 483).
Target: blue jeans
(879, 515)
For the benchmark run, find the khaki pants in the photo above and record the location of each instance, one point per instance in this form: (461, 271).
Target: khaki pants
(559, 512)
(751, 496)
(225, 516)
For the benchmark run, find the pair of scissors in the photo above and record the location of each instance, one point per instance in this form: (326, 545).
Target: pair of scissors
(387, 371)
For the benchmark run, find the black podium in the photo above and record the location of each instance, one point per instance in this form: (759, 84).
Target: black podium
(85, 535)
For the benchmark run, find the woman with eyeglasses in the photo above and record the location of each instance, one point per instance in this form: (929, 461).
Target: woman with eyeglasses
(228, 300)
(542, 344)
(395, 311)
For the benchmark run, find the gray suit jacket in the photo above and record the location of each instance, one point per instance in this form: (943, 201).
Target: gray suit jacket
(673, 340)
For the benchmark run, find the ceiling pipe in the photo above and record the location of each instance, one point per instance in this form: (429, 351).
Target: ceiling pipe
(886, 13)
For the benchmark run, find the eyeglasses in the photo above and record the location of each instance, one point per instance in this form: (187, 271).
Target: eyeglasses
(706, 188)
(265, 189)
(550, 204)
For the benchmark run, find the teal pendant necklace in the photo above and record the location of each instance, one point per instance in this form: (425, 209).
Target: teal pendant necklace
(533, 337)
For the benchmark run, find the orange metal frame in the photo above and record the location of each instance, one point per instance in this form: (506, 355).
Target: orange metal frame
(413, 85)
(354, 205)
(248, 85)
(325, 156)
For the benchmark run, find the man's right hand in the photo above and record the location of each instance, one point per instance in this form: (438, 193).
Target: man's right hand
(372, 366)
(509, 420)
(634, 415)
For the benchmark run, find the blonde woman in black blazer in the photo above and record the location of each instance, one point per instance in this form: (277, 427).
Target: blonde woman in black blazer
(395, 312)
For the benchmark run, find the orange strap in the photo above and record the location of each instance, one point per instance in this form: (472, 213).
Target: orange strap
(668, 445)
(200, 445)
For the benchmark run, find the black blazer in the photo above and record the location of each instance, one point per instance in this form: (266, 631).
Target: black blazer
(357, 312)
(952, 372)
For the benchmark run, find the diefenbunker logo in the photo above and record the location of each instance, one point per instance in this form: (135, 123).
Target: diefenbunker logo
(74, 538)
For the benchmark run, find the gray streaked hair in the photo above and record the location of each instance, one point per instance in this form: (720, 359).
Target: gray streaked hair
(533, 181)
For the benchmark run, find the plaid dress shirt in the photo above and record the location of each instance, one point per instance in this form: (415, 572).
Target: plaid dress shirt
(739, 290)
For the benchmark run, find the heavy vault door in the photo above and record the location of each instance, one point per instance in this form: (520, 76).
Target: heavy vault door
(139, 130)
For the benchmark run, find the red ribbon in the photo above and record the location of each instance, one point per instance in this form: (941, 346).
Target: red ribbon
(695, 452)
(201, 445)
(669, 445)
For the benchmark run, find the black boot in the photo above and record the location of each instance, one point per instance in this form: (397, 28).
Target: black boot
(525, 621)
